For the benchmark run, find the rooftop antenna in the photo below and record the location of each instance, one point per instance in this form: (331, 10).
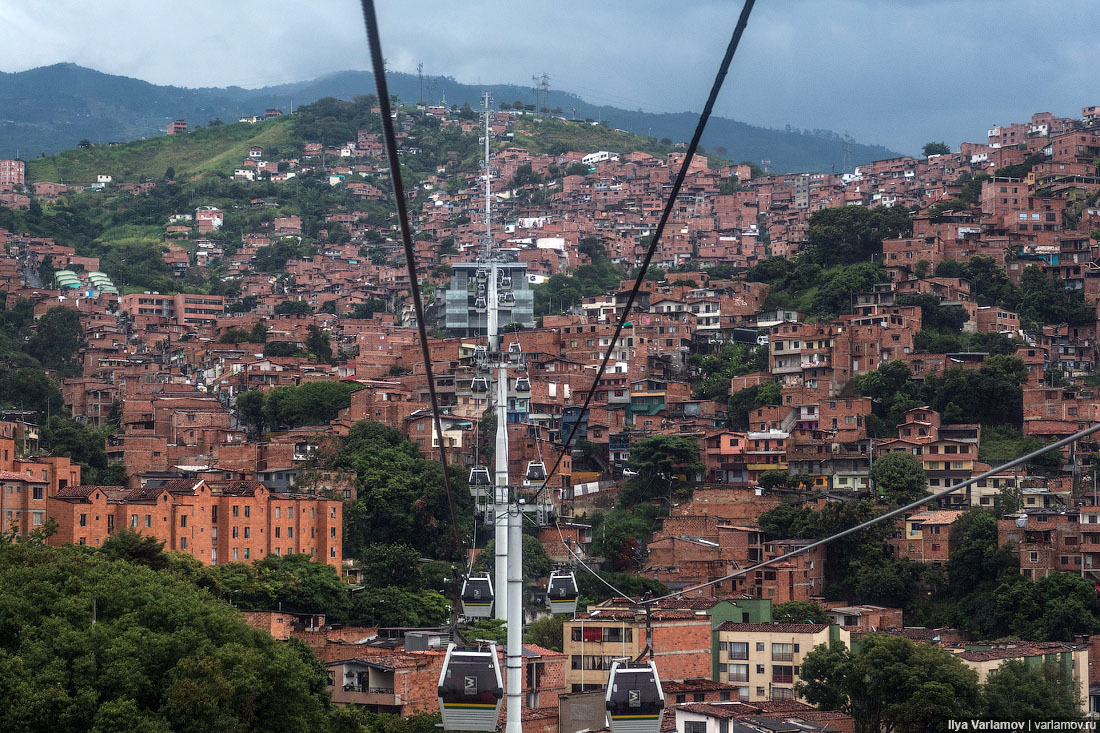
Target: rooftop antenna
(420, 77)
(847, 151)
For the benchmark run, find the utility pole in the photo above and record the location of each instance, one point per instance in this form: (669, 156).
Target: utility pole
(420, 77)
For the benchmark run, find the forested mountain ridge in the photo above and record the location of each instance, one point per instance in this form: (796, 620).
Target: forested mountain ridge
(52, 108)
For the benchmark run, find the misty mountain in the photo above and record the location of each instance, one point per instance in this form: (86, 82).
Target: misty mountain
(53, 108)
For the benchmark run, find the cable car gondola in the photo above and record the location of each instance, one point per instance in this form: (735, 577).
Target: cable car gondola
(481, 304)
(481, 275)
(562, 591)
(470, 689)
(523, 387)
(505, 281)
(634, 698)
(477, 596)
(514, 348)
(479, 476)
(507, 298)
(536, 474)
(479, 385)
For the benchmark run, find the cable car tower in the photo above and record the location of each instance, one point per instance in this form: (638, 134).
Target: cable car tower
(506, 514)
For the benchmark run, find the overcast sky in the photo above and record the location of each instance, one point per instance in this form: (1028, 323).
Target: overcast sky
(896, 73)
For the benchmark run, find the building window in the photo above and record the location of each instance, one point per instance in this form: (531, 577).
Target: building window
(134, 520)
(247, 553)
(235, 535)
(782, 652)
(278, 532)
(183, 543)
(236, 510)
(148, 520)
(739, 673)
(247, 510)
(760, 644)
(235, 554)
(739, 650)
(38, 492)
(183, 520)
(247, 532)
(84, 520)
(695, 726)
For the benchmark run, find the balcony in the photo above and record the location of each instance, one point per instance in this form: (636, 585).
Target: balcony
(782, 678)
(360, 695)
(739, 677)
(782, 657)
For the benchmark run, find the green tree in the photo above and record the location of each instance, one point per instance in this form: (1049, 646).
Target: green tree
(292, 308)
(250, 410)
(402, 497)
(1018, 692)
(547, 632)
(391, 565)
(899, 478)
(281, 349)
(939, 148)
(317, 343)
(851, 234)
(665, 455)
(799, 612)
(258, 333)
(57, 337)
(890, 684)
(577, 168)
(158, 654)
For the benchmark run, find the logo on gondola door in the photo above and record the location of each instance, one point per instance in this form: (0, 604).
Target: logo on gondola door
(477, 593)
(634, 698)
(471, 685)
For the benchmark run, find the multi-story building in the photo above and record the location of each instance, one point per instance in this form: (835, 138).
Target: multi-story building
(184, 309)
(241, 521)
(764, 659)
(987, 658)
(12, 173)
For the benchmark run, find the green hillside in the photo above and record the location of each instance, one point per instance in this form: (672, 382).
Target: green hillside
(556, 136)
(217, 149)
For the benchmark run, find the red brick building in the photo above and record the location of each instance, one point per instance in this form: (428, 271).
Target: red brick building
(242, 521)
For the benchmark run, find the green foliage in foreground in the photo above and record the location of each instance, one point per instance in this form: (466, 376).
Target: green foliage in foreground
(88, 642)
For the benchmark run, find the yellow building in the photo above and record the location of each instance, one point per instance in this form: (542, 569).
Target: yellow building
(986, 660)
(764, 659)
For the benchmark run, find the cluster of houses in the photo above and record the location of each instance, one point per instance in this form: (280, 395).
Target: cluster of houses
(167, 369)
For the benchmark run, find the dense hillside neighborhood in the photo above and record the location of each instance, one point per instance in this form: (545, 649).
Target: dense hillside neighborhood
(223, 356)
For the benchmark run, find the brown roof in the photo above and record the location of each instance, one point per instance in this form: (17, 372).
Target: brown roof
(696, 684)
(774, 628)
(12, 476)
(83, 492)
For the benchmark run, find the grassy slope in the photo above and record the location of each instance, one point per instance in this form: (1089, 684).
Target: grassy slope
(543, 136)
(213, 149)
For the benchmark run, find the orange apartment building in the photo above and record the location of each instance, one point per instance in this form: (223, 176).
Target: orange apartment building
(183, 309)
(243, 521)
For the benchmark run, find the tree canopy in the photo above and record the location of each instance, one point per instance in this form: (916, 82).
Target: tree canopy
(91, 642)
(890, 684)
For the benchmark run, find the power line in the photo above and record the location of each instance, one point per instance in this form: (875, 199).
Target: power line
(888, 515)
(406, 238)
(704, 116)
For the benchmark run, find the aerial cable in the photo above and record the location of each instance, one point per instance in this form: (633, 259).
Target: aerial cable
(919, 503)
(406, 238)
(723, 68)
